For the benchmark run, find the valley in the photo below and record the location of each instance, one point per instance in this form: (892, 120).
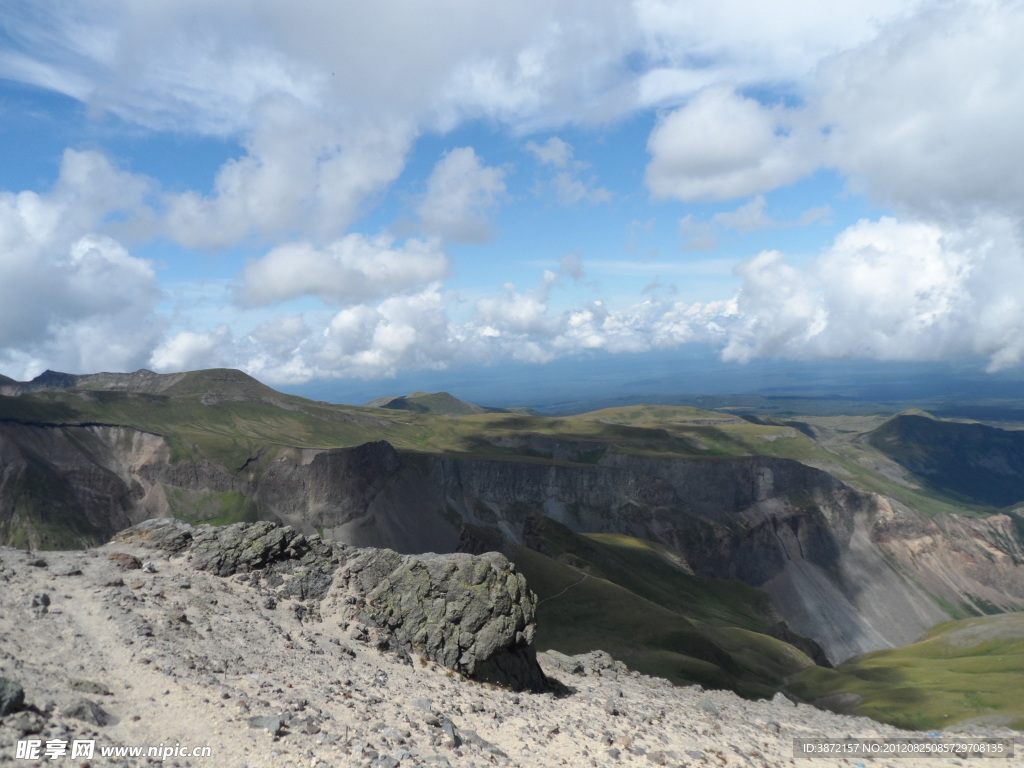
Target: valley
(739, 550)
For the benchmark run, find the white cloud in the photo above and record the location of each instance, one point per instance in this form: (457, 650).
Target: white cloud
(889, 290)
(571, 265)
(702, 235)
(570, 190)
(354, 269)
(518, 313)
(697, 235)
(71, 295)
(926, 116)
(402, 332)
(749, 217)
(461, 192)
(691, 45)
(722, 145)
(918, 103)
(553, 152)
(191, 350)
(568, 187)
(299, 173)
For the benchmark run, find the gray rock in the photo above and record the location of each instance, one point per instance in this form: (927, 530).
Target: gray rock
(272, 723)
(570, 664)
(451, 733)
(265, 547)
(473, 614)
(470, 613)
(90, 712)
(89, 686)
(124, 560)
(472, 737)
(12, 696)
(707, 704)
(423, 703)
(25, 722)
(166, 534)
(780, 699)
(40, 603)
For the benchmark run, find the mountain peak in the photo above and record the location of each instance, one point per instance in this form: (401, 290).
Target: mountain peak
(430, 402)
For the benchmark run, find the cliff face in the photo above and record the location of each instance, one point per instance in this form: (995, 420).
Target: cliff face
(76, 485)
(853, 571)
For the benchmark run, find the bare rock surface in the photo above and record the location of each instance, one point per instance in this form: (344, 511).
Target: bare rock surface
(180, 656)
(472, 614)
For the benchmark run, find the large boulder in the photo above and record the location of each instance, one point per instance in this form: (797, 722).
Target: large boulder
(473, 614)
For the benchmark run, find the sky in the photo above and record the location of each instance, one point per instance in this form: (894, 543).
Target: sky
(367, 194)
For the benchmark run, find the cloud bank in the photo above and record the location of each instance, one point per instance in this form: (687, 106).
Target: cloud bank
(916, 106)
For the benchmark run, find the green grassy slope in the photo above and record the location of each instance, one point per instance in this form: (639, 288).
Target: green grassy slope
(670, 624)
(960, 671)
(429, 402)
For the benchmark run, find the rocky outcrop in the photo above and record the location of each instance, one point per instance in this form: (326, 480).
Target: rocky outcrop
(472, 614)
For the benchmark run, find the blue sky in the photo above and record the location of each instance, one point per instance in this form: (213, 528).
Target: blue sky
(329, 194)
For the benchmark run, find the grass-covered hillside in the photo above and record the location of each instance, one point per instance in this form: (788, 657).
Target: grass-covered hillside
(960, 672)
(632, 598)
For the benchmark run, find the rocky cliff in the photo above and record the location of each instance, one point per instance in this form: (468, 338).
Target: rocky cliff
(851, 570)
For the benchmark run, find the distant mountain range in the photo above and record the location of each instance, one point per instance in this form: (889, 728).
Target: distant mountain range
(710, 546)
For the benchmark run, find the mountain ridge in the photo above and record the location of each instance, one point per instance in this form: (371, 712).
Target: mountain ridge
(800, 514)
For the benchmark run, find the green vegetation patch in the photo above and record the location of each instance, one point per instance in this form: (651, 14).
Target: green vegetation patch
(631, 598)
(970, 670)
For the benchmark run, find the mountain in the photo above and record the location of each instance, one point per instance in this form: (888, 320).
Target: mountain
(974, 463)
(426, 402)
(736, 553)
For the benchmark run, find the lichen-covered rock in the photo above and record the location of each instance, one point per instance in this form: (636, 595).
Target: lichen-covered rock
(473, 614)
(470, 613)
(301, 566)
(163, 533)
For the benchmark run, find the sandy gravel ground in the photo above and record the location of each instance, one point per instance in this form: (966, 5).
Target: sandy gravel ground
(173, 656)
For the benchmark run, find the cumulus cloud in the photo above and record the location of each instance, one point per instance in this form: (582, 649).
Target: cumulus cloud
(402, 332)
(889, 290)
(351, 270)
(918, 104)
(722, 145)
(925, 116)
(461, 192)
(300, 173)
(696, 44)
(522, 325)
(71, 295)
(191, 350)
